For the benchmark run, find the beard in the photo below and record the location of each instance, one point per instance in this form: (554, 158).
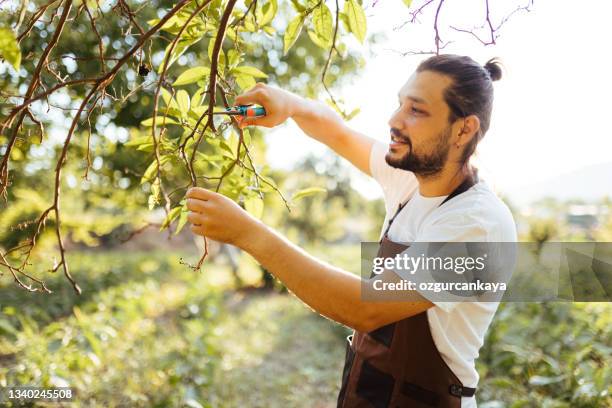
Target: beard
(422, 164)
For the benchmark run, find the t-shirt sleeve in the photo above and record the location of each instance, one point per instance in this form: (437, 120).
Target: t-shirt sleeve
(394, 182)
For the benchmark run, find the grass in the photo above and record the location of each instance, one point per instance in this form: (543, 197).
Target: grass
(276, 353)
(149, 332)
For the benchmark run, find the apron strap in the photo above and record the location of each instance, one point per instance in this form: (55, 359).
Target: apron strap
(461, 391)
(468, 183)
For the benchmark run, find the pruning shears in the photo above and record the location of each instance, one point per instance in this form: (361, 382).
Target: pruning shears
(249, 111)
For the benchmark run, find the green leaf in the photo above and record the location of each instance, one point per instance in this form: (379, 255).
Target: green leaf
(249, 24)
(140, 141)
(245, 81)
(159, 121)
(9, 48)
(297, 6)
(175, 212)
(183, 218)
(227, 149)
(168, 99)
(156, 189)
(356, 19)
(269, 30)
(151, 201)
(233, 58)
(252, 71)
(323, 26)
(149, 173)
(174, 24)
(182, 99)
(254, 206)
(5, 326)
(231, 34)
(298, 195)
(192, 75)
(246, 137)
(318, 41)
(178, 50)
(345, 22)
(233, 142)
(269, 12)
(407, 2)
(353, 113)
(292, 32)
(197, 98)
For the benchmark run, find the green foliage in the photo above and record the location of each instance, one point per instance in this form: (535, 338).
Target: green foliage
(356, 19)
(122, 171)
(322, 35)
(192, 75)
(9, 48)
(547, 355)
(298, 195)
(149, 332)
(292, 32)
(324, 205)
(542, 231)
(138, 336)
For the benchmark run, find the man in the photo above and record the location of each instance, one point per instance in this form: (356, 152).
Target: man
(408, 354)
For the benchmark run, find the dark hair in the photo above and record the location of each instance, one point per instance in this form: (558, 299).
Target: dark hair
(471, 91)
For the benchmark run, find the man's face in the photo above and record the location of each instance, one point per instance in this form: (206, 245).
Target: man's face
(420, 132)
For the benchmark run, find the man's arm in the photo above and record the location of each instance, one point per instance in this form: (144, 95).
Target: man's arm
(329, 290)
(322, 123)
(315, 118)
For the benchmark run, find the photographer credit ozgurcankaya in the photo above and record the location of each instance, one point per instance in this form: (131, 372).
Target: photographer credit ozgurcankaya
(408, 354)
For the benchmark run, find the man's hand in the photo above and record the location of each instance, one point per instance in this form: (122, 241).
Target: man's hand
(279, 105)
(315, 118)
(215, 216)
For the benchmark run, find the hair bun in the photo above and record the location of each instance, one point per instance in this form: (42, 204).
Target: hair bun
(494, 68)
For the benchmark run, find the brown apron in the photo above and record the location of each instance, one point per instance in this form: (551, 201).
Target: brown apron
(399, 365)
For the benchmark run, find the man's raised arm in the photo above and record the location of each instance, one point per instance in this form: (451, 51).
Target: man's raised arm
(316, 119)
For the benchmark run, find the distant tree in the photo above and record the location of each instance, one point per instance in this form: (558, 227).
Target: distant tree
(540, 232)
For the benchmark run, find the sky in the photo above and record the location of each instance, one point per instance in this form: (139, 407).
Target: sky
(551, 108)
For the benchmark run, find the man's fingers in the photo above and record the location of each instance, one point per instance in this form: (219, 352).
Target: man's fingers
(200, 193)
(253, 95)
(248, 122)
(246, 98)
(196, 229)
(193, 204)
(194, 218)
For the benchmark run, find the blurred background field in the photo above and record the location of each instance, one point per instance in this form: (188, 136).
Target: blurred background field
(149, 331)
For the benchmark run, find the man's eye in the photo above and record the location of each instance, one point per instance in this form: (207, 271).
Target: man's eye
(415, 110)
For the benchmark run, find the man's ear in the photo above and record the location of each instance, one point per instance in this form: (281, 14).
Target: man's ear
(468, 128)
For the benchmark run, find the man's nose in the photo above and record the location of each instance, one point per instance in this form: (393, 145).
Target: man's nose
(395, 121)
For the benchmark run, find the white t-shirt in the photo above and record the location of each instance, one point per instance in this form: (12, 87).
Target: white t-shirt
(477, 215)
